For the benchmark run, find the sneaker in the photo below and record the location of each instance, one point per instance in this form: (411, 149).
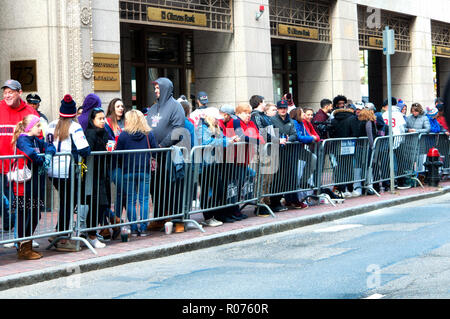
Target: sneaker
(134, 233)
(239, 216)
(347, 194)
(68, 245)
(143, 233)
(35, 244)
(299, 205)
(279, 208)
(96, 243)
(357, 192)
(212, 222)
(9, 245)
(225, 219)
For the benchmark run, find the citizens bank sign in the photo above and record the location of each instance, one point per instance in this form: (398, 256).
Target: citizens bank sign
(175, 16)
(298, 32)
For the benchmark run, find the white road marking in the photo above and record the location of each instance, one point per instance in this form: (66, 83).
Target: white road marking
(337, 228)
(375, 296)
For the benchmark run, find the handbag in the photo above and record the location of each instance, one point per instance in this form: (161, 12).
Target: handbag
(19, 175)
(153, 163)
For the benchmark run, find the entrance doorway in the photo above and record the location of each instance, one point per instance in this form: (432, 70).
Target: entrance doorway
(284, 68)
(371, 66)
(149, 53)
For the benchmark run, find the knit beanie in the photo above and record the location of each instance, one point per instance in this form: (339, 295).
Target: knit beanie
(400, 104)
(68, 107)
(90, 102)
(432, 111)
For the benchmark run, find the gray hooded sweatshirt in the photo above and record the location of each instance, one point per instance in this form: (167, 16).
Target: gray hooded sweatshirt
(166, 115)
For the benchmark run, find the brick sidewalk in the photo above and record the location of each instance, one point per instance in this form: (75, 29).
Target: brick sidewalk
(10, 265)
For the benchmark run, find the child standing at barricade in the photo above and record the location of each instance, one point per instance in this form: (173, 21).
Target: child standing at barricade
(30, 194)
(99, 201)
(136, 168)
(68, 137)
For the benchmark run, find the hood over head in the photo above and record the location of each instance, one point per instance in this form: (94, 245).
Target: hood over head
(90, 102)
(165, 89)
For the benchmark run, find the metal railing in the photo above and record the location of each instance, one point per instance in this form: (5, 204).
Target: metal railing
(137, 187)
(29, 211)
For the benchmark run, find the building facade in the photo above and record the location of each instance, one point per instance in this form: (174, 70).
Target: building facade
(232, 49)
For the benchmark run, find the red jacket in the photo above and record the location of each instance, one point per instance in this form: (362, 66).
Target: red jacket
(310, 129)
(247, 133)
(442, 122)
(8, 120)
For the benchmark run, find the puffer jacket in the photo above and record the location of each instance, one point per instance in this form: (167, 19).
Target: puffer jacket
(420, 123)
(345, 124)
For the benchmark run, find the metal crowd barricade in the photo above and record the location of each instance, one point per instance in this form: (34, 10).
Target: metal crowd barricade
(287, 170)
(343, 161)
(405, 147)
(439, 140)
(222, 177)
(31, 210)
(132, 188)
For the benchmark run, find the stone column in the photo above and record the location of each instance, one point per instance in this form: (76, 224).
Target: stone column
(345, 50)
(422, 62)
(106, 37)
(231, 67)
(314, 69)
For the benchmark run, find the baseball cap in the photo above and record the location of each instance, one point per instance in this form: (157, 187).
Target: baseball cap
(33, 98)
(359, 105)
(282, 104)
(202, 97)
(228, 109)
(370, 106)
(13, 85)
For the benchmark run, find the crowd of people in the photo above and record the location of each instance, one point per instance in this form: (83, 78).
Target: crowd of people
(170, 122)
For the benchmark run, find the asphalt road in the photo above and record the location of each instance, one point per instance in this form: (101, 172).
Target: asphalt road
(398, 252)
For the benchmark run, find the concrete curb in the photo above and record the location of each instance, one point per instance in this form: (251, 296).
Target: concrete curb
(37, 276)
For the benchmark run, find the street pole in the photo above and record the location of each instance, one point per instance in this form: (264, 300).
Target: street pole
(388, 50)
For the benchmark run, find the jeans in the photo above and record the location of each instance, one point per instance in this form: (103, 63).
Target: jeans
(8, 216)
(120, 202)
(138, 191)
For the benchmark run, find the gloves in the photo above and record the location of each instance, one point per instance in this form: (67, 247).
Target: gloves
(47, 163)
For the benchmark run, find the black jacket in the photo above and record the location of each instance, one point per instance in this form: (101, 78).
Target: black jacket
(345, 124)
(100, 168)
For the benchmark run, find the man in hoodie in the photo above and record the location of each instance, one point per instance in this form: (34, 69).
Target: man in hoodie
(166, 119)
(12, 109)
(166, 116)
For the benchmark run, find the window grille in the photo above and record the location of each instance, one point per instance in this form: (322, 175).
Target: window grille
(369, 37)
(301, 13)
(218, 12)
